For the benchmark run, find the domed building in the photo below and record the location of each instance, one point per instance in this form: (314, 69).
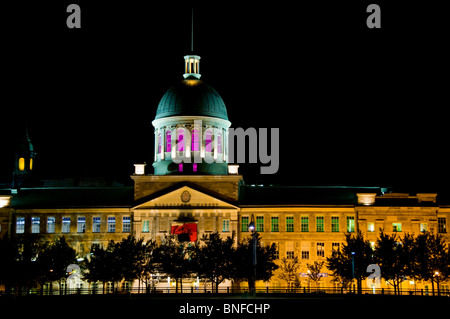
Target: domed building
(191, 127)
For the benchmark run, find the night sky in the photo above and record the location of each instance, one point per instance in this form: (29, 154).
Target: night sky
(355, 106)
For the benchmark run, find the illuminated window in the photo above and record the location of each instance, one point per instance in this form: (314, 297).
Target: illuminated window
(126, 224)
(168, 141)
(244, 223)
(51, 225)
(320, 249)
(370, 227)
(111, 224)
(289, 223)
(35, 225)
(159, 143)
(442, 225)
(304, 224)
(194, 167)
(259, 223)
(180, 143)
(31, 164)
(195, 140)
(319, 224)
(274, 224)
(396, 227)
(21, 164)
(180, 167)
(66, 225)
(290, 253)
(20, 225)
(350, 224)
(305, 250)
(335, 224)
(208, 141)
(225, 225)
(96, 224)
(423, 227)
(81, 224)
(219, 143)
(146, 226)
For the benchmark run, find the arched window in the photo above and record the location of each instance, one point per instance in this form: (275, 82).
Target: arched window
(159, 143)
(208, 141)
(168, 141)
(219, 143)
(180, 143)
(21, 164)
(195, 141)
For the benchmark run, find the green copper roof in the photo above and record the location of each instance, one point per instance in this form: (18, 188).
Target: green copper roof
(191, 97)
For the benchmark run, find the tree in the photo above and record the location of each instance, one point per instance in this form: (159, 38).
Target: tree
(352, 260)
(174, 259)
(265, 256)
(290, 271)
(53, 260)
(314, 271)
(104, 265)
(432, 258)
(214, 259)
(393, 255)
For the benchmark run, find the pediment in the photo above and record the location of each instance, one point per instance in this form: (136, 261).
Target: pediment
(184, 197)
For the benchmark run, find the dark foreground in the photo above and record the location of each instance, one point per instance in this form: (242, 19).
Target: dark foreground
(216, 306)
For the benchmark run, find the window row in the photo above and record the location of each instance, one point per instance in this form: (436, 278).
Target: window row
(184, 135)
(304, 224)
(303, 250)
(66, 222)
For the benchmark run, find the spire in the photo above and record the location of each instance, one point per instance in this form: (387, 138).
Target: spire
(192, 62)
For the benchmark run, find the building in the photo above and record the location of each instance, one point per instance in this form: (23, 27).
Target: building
(195, 191)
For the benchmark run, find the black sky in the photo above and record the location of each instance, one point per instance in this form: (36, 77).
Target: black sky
(355, 106)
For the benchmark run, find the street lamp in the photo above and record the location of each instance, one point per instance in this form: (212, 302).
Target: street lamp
(353, 270)
(252, 229)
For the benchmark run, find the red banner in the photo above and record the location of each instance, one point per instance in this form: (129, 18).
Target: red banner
(185, 231)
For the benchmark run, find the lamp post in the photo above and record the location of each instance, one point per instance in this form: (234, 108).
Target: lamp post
(252, 229)
(353, 270)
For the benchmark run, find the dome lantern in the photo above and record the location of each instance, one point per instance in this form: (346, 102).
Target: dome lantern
(192, 66)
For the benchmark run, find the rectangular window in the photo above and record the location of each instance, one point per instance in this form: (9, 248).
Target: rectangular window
(396, 227)
(442, 225)
(225, 225)
(334, 246)
(305, 224)
(81, 224)
(111, 224)
(65, 225)
(51, 225)
(305, 250)
(35, 225)
(370, 227)
(20, 225)
(126, 224)
(319, 224)
(335, 224)
(244, 223)
(320, 249)
(290, 254)
(423, 227)
(96, 224)
(260, 223)
(350, 224)
(290, 223)
(274, 224)
(145, 226)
